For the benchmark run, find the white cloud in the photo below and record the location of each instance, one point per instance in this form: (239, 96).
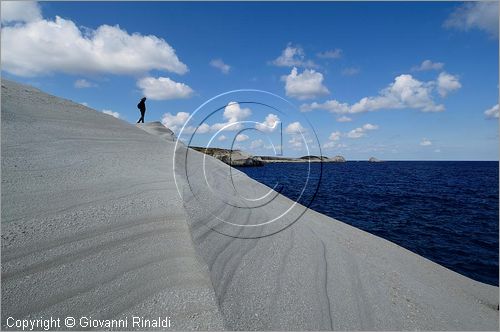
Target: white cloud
(356, 133)
(344, 118)
(203, 129)
(233, 114)
(83, 83)
(447, 83)
(174, 122)
(296, 142)
(20, 11)
(361, 131)
(221, 138)
(429, 65)
(44, 46)
(163, 88)
(290, 56)
(333, 140)
(270, 123)
(331, 54)
(492, 113)
(299, 142)
(295, 128)
(219, 64)
(226, 126)
(425, 142)
(329, 145)
(113, 114)
(241, 138)
(307, 85)
(335, 136)
(481, 15)
(369, 126)
(293, 56)
(332, 145)
(275, 148)
(256, 144)
(351, 71)
(405, 92)
(332, 106)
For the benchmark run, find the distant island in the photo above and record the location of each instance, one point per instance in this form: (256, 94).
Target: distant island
(304, 159)
(374, 160)
(231, 157)
(241, 158)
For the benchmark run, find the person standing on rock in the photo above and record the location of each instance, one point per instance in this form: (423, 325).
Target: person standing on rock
(142, 107)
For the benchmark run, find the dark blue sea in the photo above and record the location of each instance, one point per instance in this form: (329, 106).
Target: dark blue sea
(446, 211)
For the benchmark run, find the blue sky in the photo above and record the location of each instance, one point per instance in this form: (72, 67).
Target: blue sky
(399, 81)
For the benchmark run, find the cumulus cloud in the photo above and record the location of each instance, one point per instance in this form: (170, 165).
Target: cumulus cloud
(425, 142)
(293, 56)
(369, 126)
(202, 129)
(83, 83)
(273, 147)
(330, 145)
(43, 46)
(174, 122)
(20, 11)
(361, 131)
(113, 114)
(296, 143)
(335, 136)
(219, 64)
(295, 128)
(233, 114)
(482, 15)
(331, 54)
(163, 88)
(351, 71)
(333, 140)
(258, 143)
(177, 121)
(492, 113)
(270, 123)
(241, 138)
(299, 142)
(429, 65)
(290, 56)
(333, 106)
(221, 138)
(405, 92)
(306, 85)
(447, 83)
(344, 118)
(298, 136)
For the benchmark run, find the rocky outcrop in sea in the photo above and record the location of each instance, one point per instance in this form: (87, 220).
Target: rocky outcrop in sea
(231, 157)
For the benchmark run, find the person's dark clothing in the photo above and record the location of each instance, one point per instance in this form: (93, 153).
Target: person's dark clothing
(141, 119)
(142, 107)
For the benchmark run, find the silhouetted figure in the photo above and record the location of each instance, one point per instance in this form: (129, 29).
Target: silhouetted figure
(142, 107)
